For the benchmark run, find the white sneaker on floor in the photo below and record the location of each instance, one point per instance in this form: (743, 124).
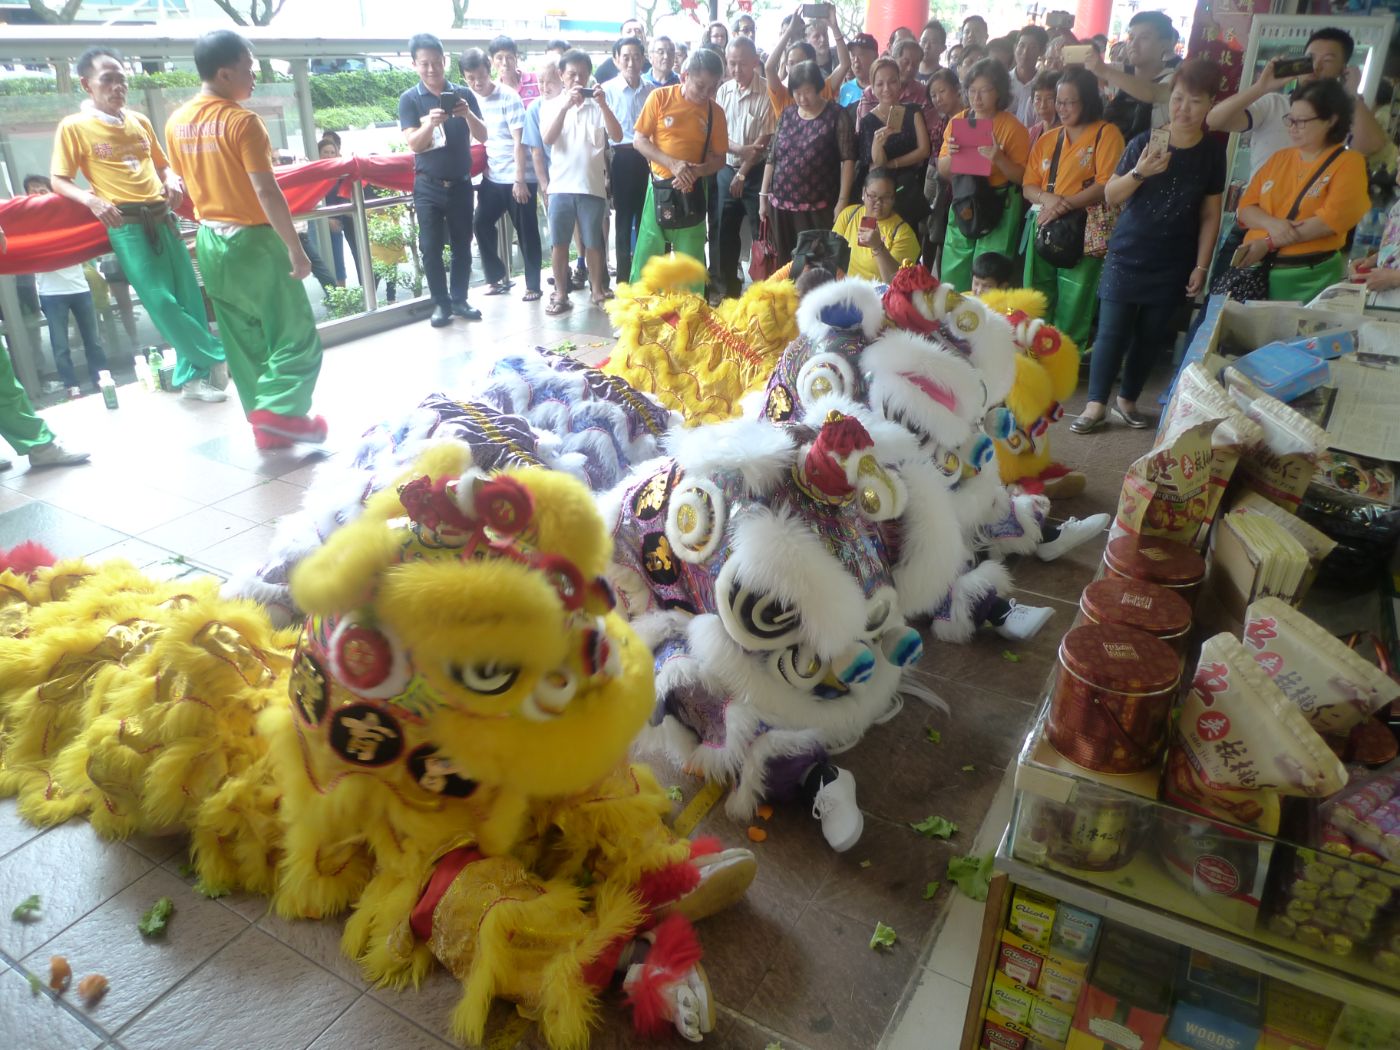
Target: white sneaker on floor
(202, 390)
(218, 375)
(1023, 621)
(55, 455)
(835, 806)
(1072, 533)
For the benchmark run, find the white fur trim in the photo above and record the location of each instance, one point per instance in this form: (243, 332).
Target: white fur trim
(778, 554)
(990, 577)
(898, 354)
(859, 293)
(1029, 513)
(833, 371)
(760, 452)
(752, 785)
(932, 544)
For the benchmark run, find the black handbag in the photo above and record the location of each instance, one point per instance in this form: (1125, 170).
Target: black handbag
(977, 205)
(1060, 242)
(681, 209)
(1246, 283)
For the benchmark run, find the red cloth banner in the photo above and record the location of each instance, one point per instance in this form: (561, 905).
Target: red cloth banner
(48, 232)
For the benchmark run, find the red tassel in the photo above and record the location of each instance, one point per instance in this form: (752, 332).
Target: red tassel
(675, 950)
(667, 884)
(600, 972)
(26, 558)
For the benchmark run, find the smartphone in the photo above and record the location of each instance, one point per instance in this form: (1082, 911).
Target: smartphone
(1160, 139)
(895, 120)
(869, 222)
(1293, 65)
(449, 101)
(810, 11)
(1076, 54)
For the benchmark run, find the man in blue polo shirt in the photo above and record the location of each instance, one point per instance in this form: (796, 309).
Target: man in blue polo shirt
(439, 136)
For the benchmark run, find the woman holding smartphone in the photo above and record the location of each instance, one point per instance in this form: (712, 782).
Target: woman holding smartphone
(988, 98)
(894, 137)
(1066, 173)
(1170, 183)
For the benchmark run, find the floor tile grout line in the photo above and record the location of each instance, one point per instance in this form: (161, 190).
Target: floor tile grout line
(120, 890)
(62, 1000)
(178, 984)
(337, 1017)
(783, 1037)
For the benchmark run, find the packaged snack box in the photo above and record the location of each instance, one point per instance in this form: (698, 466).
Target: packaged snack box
(1075, 934)
(1032, 916)
(1296, 1019)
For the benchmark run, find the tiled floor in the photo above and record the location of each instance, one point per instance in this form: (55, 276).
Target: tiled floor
(175, 484)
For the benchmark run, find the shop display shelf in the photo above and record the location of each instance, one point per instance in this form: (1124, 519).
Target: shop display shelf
(1142, 893)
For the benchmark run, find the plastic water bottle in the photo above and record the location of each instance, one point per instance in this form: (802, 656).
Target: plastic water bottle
(1368, 234)
(108, 389)
(153, 363)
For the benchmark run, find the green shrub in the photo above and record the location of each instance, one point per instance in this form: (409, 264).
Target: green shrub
(338, 118)
(361, 89)
(344, 302)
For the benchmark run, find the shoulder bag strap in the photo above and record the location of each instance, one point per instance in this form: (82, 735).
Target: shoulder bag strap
(1298, 204)
(1055, 162)
(709, 126)
(1093, 157)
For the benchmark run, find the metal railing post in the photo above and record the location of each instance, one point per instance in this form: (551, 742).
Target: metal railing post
(362, 246)
(301, 84)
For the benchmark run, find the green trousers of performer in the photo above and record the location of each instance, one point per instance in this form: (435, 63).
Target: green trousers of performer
(1070, 294)
(18, 424)
(269, 332)
(1302, 283)
(959, 250)
(169, 291)
(651, 240)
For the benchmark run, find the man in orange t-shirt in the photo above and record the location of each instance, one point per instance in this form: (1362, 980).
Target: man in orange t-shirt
(249, 253)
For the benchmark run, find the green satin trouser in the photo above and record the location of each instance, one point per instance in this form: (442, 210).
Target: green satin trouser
(169, 290)
(1302, 283)
(959, 250)
(651, 240)
(1070, 294)
(18, 424)
(269, 332)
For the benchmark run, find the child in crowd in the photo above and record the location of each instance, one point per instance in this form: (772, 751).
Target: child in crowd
(1381, 269)
(991, 271)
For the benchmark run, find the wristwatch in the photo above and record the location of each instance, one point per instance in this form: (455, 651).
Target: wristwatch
(1137, 175)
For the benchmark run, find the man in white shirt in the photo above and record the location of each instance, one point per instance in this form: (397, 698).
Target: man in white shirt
(1259, 109)
(575, 128)
(627, 94)
(62, 292)
(504, 190)
(1030, 49)
(749, 115)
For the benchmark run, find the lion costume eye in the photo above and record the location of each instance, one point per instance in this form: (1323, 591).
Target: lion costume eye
(755, 619)
(486, 679)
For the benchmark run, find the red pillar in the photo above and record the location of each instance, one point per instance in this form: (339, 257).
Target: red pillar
(883, 17)
(1091, 16)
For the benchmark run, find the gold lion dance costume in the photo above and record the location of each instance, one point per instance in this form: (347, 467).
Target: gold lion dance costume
(441, 748)
(697, 359)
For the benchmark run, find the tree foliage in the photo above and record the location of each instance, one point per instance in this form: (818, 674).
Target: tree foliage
(63, 15)
(259, 12)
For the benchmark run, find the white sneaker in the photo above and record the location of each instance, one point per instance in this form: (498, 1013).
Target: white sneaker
(1023, 621)
(55, 455)
(835, 806)
(1072, 533)
(202, 390)
(218, 375)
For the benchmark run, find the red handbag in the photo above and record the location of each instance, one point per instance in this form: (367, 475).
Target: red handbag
(763, 257)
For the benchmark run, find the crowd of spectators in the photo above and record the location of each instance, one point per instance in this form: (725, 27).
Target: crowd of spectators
(1094, 174)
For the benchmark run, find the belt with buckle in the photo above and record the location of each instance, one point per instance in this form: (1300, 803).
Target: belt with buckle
(446, 184)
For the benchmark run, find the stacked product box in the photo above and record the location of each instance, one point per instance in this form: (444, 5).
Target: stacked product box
(1042, 959)
(1067, 980)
